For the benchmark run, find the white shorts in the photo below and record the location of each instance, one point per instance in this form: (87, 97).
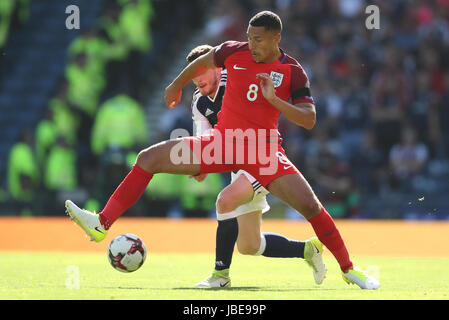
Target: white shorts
(259, 201)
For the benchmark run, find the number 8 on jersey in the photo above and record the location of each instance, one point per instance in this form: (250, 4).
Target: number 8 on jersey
(251, 95)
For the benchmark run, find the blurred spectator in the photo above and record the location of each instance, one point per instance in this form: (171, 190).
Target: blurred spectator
(369, 165)
(429, 59)
(390, 99)
(134, 24)
(164, 193)
(198, 198)
(92, 205)
(60, 171)
(407, 158)
(439, 121)
(111, 171)
(354, 117)
(85, 84)
(95, 46)
(12, 11)
(6, 10)
(334, 185)
(65, 118)
(229, 24)
(46, 135)
(178, 118)
(321, 143)
(128, 27)
(23, 10)
(120, 122)
(23, 172)
(330, 176)
(109, 22)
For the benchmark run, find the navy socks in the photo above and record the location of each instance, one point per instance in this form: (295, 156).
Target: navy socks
(227, 232)
(278, 246)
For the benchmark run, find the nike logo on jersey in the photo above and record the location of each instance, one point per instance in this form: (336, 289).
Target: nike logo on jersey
(238, 68)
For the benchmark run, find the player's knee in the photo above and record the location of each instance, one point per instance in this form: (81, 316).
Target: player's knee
(311, 208)
(248, 248)
(224, 203)
(147, 160)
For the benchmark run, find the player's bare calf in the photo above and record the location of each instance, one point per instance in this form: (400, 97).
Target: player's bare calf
(297, 193)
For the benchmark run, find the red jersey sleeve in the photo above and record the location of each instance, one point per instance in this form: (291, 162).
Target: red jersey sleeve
(225, 49)
(300, 86)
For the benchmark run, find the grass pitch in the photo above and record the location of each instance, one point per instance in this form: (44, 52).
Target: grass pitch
(62, 276)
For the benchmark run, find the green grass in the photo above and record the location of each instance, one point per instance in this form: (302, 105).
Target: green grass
(171, 277)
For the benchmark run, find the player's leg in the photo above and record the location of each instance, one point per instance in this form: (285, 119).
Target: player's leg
(155, 159)
(152, 160)
(251, 241)
(239, 200)
(158, 158)
(296, 192)
(239, 191)
(245, 199)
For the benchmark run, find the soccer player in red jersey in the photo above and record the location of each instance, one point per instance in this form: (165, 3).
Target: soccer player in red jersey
(232, 212)
(263, 81)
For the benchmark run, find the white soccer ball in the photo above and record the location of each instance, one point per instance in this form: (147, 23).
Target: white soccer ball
(127, 252)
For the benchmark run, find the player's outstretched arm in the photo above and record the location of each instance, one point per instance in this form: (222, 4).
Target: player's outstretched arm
(302, 114)
(197, 67)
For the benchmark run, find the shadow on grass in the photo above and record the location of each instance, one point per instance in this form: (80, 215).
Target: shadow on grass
(237, 289)
(270, 289)
(121, 288)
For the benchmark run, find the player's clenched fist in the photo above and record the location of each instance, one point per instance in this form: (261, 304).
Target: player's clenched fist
(172, 96)
(267, 86)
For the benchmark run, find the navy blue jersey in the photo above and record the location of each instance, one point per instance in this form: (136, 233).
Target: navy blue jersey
(205, 109)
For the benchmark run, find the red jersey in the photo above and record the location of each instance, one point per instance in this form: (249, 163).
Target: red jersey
(244, 105)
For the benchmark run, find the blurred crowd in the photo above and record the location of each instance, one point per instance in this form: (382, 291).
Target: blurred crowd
(12, 13)
(95, 123)
(382, 98)
(382, 95)
(95, 107)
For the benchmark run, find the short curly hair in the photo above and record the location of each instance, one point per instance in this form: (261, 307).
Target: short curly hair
(267, 19)
(198, 52)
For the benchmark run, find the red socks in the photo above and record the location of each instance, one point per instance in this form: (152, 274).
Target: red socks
(126, 194)
(327, 232)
